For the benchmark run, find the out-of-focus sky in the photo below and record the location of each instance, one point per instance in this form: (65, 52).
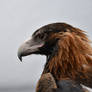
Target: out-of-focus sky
(19, 19)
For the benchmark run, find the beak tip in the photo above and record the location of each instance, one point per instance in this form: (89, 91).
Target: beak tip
(20, 57)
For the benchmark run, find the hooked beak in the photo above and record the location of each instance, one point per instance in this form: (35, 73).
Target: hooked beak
(29, 47)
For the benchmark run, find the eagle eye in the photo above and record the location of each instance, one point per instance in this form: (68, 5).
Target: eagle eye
(41, 36)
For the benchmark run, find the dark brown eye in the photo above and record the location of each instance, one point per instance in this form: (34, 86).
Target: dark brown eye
(42, 36)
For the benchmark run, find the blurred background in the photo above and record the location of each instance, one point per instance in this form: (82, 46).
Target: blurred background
(18, 20)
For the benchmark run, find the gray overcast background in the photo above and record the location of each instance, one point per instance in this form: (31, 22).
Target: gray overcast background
(18, 20)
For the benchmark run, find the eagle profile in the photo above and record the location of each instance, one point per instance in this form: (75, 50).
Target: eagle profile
(69, 57)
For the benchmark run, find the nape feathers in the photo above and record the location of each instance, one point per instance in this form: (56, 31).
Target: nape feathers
(73, 59)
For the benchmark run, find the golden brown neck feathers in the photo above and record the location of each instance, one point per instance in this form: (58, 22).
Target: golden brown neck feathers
(73, 55)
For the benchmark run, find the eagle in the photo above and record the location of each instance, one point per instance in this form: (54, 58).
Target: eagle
(68, 54)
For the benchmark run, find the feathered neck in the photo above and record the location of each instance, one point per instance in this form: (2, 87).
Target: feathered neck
(73, 54)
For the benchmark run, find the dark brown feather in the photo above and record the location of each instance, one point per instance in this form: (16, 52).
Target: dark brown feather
(73, 59)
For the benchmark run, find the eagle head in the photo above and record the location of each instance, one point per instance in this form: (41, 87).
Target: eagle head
(46, 40)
